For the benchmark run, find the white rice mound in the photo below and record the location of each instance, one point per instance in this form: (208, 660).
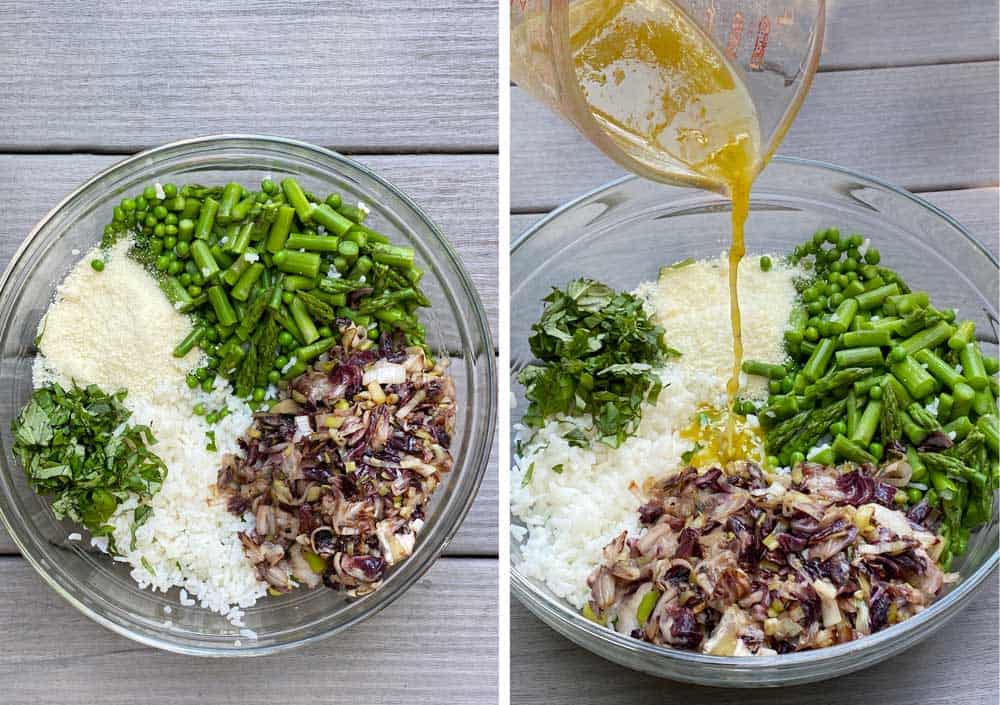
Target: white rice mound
(571, 515)
(190, 540)
(117, 330)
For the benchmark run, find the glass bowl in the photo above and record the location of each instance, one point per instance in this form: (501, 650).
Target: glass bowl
(456, 324)
(622, 232)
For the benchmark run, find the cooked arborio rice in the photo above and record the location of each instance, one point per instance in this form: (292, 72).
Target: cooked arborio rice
(190, 540)
(571, 515)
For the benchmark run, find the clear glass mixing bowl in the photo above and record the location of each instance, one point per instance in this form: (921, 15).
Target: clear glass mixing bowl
(456, 324)
(622, 232)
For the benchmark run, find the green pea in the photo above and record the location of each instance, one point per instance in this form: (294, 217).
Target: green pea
(765, 264)
(873, 256)
(373, 333)
(913, 495)
(162, 262)
(183, 249)
(897, 354)
(141, 203)
(169, 190)
(169, 242)
(185, 279)
(838, 428)
(280, 362)
(812, 334)
(876, 449)
(174, 268)
(128, 205)
(325, 332)
(274, 376)
(194, 290)
(286, 340)
(150, 221)
(287, 297)
(97, 264)
(149, 193)
(875, 393)
(258, 394)
(796, 458)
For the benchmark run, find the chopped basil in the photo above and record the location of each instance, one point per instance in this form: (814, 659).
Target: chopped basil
(598, 351)
(76, 446)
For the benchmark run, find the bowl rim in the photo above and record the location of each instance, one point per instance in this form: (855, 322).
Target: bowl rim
(480, 456)
(559, 612)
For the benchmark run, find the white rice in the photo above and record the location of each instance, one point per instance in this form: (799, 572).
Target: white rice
(190, 539)
(570, 516)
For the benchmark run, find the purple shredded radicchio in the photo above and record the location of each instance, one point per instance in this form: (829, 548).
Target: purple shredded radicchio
(744, 565)
(341, 468)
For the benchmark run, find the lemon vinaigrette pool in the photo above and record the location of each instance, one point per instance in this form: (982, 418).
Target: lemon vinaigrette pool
(659, 87)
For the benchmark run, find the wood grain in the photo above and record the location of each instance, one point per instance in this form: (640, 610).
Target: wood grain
(408, 653)
(977, 209)
(865, 34)
(925, 128)
(453, 190)
(958, 665)
(391, 76)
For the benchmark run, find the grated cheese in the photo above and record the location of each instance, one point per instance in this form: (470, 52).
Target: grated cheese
(691, 302)
(113, 328)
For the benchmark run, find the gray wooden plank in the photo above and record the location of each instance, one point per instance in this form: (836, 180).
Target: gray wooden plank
(977, 209)
(861, 33)
(456, 191)
(389, 76)
(925, 128)
(958, 666)
(436, 644)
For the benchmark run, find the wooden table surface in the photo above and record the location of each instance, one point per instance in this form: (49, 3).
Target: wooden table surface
(907, 91)
(406, 88)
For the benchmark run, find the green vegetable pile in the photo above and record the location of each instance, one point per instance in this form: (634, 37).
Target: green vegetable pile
(885, 374)
(598, 350)
(266, 274)
(76, 446)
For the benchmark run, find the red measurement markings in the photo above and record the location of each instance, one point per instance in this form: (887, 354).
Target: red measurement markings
(735, 35)
(760, 46)
(709, 19)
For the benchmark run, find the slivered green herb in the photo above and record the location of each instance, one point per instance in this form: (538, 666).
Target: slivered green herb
(147, 566)
(558, 469)
(526, 480)
(76, 446)
(686, 456)
(598, 351)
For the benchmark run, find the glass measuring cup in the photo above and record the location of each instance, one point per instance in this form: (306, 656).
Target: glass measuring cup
(767, 50)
